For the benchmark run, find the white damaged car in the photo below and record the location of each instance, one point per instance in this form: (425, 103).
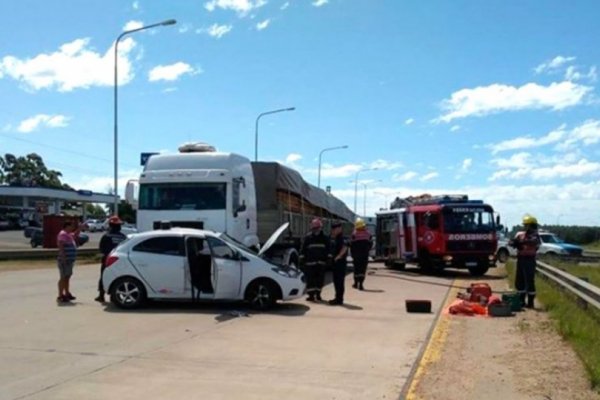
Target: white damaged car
(191, 264)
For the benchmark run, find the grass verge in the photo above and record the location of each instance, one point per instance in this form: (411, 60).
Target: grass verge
(592, 273)
(581, 328)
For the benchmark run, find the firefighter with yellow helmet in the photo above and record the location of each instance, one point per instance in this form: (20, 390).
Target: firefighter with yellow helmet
(527, 243)
(360, 245)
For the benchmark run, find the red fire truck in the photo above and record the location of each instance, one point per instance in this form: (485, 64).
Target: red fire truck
(437, 232)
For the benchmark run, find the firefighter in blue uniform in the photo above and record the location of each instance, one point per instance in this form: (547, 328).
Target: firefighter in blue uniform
(527, 243)
(108, 242)
(314, 255)
(339, 253)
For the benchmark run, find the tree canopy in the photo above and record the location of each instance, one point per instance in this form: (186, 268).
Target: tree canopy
(29, 171)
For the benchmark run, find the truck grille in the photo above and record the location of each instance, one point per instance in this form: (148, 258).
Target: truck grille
(471, 245)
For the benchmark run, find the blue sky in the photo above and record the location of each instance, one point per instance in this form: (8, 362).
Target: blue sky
(494, 99)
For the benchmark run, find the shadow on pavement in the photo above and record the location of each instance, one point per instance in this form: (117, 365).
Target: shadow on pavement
(223, 311)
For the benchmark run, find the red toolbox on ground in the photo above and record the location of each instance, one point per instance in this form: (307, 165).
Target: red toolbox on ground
(479, 290)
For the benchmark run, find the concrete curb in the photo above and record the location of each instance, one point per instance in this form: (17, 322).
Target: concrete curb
(41, 254)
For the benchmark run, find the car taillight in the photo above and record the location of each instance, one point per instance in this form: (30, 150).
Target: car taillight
(111, 260)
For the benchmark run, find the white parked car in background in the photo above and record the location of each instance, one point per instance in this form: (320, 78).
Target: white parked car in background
(191, 264)
(94, 225)
(551, 245)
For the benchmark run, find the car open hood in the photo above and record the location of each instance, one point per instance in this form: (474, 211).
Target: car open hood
(273, 238)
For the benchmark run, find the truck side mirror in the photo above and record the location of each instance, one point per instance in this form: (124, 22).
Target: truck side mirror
(240, 209)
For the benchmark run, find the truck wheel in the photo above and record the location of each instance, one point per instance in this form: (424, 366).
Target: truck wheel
(502, 255)
(33, 243)
(478, 271)
(399, 265)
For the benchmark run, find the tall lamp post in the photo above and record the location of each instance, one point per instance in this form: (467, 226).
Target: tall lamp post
(256, 127)
(356, 183)
(385, 198)
(116, 184)
(365, 184)
(321, 154)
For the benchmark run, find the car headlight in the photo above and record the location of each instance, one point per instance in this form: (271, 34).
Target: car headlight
(282, 272)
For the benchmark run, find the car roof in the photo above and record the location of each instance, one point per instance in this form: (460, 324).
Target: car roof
(175, 232)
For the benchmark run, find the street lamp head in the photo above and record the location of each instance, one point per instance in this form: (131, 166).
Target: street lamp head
(169, 22)
(344, 146)
(290, 109)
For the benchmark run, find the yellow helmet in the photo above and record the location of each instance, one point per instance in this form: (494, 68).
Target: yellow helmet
(529, 220)
(359, 224)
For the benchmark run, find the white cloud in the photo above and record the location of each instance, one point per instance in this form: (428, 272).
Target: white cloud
(497, 98)
(136, 5)
(184, 28)
(405, 177)
(343, 171)
(169, 90)
(519, 160)
(216, 31)
(133, 25)
(263, 25)
(572, 74)
(241, 7)
(43, 120)
(553, 64)
(100, 184)
(171, 72)
(73, 66)
(526, 142)
(285, 5)
(409, 121)
(455, 128)
(466, 164)
(319, 3)
(292, 158)
(385, 165)
(562, 169)
(587, 134)
(429, 176)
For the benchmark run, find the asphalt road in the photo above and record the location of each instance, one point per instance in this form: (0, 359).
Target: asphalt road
(364, 350)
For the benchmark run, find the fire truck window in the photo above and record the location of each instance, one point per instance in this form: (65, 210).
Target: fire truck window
(432, 220)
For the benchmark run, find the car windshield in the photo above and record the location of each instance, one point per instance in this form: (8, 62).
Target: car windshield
(550, 239)
(467, 220)
(183, 196)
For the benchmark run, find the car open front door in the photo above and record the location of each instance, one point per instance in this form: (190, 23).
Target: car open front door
(226, 269)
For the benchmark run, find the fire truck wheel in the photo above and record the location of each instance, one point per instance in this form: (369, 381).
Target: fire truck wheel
(478, 271)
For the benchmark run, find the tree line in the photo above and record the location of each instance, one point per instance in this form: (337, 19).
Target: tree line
(29, 171)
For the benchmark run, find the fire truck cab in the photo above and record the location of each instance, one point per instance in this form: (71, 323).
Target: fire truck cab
(438, 232)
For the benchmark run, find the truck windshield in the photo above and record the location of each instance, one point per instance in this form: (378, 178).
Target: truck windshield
(183, 196)
(465, 220)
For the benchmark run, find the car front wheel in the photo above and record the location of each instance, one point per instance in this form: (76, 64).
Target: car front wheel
(478, 271)
(261, 295)
(128, 293)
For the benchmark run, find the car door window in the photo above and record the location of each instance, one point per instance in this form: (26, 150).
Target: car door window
(220, 249)
(165, 245)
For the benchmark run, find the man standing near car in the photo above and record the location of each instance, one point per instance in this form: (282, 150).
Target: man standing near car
(314, 254)
(111, 239)
(67, 253)
(340, 252)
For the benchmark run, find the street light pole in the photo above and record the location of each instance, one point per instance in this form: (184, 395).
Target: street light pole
(116, 85)
(356, 183)
(365, 196)
(256, 127)
(321, 154)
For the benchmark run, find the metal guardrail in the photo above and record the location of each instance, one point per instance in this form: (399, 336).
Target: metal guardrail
(577, 286)
(40, 254)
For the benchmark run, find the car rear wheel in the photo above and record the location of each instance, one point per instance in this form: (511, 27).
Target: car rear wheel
(261, 295)
(502, 255)
(128, 293)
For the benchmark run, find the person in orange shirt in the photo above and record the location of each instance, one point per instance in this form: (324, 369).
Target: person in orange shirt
(527, 243)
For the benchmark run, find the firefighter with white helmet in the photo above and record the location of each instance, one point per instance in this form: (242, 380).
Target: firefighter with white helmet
(360, 245)
(527, 243)
(314, 255)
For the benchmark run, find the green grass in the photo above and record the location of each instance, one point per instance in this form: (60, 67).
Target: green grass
(595, 246)
(581, 328)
